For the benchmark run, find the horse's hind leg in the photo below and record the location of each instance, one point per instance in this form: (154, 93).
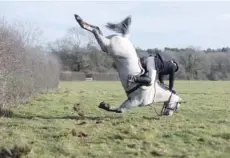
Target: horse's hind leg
(126, 105)
(102, 41)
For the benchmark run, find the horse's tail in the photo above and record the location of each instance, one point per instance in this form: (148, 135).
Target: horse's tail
(122, 27)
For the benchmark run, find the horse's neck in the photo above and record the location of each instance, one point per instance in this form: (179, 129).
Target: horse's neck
(162, 94)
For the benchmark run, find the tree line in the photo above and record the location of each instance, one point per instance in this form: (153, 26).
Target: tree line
(78, 51)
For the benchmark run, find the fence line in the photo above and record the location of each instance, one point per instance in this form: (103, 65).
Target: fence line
(94, 76)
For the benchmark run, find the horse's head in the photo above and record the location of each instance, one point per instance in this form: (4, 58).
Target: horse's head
(172, 105)
(171, 100)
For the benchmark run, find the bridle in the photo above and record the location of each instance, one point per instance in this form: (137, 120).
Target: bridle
(166, 106)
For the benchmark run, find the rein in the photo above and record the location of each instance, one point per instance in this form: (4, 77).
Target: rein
(165, 106)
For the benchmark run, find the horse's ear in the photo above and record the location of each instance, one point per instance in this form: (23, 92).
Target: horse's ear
(127, 21)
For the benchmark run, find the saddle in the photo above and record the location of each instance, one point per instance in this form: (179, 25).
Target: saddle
(158, 60)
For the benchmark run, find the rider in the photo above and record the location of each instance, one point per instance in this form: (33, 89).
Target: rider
(162, 67)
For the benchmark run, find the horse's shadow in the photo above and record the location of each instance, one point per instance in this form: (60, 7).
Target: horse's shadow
(72, 117)
(66, 117)
(11, 114)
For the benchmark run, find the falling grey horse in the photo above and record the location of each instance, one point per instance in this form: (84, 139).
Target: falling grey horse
(128, 63)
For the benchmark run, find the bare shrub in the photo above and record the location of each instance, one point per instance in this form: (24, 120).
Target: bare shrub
(25, 68)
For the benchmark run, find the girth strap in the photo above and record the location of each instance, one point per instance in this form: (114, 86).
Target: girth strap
(133, 89)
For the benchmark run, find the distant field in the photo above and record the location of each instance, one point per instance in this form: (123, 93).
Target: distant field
(47, 127)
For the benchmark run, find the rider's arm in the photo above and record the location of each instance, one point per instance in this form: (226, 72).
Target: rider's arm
(171, 80)
(161, 78)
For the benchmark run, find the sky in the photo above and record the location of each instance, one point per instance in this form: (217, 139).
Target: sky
(155, 24)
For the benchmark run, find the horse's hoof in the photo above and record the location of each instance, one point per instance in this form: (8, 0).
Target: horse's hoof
(79, 20)
(104, 106)
(118, 111)
(77, 17)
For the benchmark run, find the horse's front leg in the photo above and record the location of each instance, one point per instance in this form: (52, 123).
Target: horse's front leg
(126, 105)
(102, 41)
(107, 107)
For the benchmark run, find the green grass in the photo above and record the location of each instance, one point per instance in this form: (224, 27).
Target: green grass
(47, 127)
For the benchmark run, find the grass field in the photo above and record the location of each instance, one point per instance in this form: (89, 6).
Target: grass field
(47, 126)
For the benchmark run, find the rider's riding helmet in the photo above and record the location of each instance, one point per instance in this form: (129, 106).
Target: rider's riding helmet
(175, 64)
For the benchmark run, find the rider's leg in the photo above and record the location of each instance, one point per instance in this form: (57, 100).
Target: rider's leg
(151, 67)
(144, 80)
(150, 75)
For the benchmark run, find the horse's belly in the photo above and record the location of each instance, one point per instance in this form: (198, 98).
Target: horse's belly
(122, 47)
(128, 66)
(125, 55)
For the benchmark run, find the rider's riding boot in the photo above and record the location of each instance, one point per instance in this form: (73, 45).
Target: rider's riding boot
(131, 79)
(143, 80)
